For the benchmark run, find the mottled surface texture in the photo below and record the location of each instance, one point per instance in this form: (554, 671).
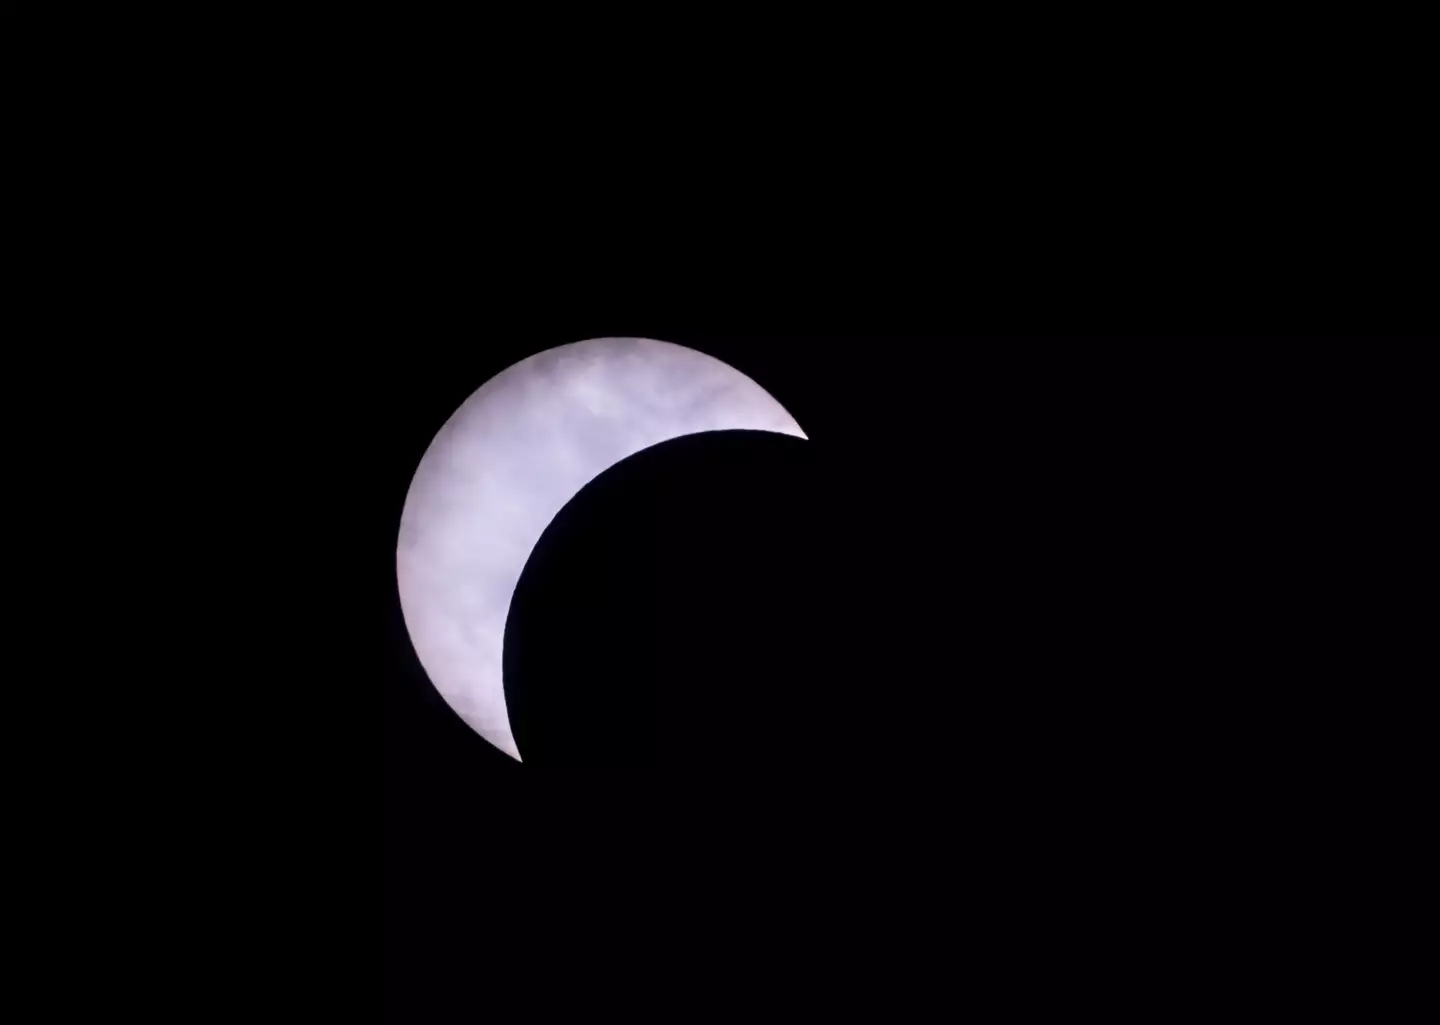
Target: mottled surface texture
(510, 459)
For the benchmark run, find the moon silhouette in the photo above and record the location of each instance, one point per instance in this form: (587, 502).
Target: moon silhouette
(509, 459)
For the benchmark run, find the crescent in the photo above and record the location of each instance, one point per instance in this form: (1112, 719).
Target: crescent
(509, 460)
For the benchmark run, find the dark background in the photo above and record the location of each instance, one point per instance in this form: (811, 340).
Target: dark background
(1005, 639)
(1023, 648)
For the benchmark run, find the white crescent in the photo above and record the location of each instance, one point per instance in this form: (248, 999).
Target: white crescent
(509, 460)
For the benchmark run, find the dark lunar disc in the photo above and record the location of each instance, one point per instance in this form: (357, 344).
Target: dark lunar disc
(666, 618)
